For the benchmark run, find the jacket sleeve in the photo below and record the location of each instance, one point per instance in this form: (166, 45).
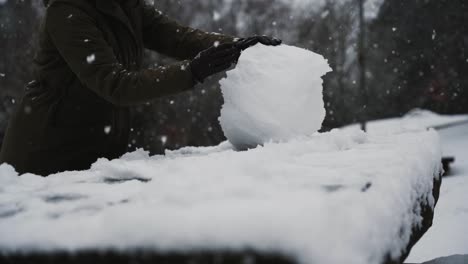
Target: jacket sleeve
(166, 36)
(83, 47)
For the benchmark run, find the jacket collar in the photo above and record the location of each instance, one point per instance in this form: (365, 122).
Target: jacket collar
(112, 8)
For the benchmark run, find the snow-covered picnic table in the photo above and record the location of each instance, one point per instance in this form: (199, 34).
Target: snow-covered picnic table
(448, 235)
(337, 197)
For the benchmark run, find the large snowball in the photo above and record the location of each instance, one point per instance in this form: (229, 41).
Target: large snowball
(273, 94)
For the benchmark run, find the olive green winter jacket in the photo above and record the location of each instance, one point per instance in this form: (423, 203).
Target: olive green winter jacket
(89, 70)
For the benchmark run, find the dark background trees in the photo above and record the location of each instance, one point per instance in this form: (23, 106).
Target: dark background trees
(415, 50)
(420, 58)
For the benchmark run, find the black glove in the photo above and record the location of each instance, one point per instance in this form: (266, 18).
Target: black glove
(214, 60)
(245, 43)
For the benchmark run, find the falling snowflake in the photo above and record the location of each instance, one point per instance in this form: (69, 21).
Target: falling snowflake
(216, 16)
(91, 58)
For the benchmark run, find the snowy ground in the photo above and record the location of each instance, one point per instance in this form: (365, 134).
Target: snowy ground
(343, 192)
(449, 233)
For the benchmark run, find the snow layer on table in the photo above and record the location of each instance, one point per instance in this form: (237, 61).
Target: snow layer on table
(447, 236)
(337, 197)
(273, 94)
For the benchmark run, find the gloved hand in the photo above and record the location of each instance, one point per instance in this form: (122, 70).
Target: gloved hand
(214, 60)
(245, 43)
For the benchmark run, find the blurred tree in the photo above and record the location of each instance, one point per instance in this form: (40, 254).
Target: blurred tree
(421, 47)
(18, 30)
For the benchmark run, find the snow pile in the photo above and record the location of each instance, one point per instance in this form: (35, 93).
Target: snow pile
(345, 192)
(273, 94)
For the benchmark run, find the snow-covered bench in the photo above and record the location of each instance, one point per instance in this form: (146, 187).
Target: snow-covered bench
(337, 197)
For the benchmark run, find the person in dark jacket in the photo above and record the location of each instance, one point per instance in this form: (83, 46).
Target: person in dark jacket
(89, 71)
